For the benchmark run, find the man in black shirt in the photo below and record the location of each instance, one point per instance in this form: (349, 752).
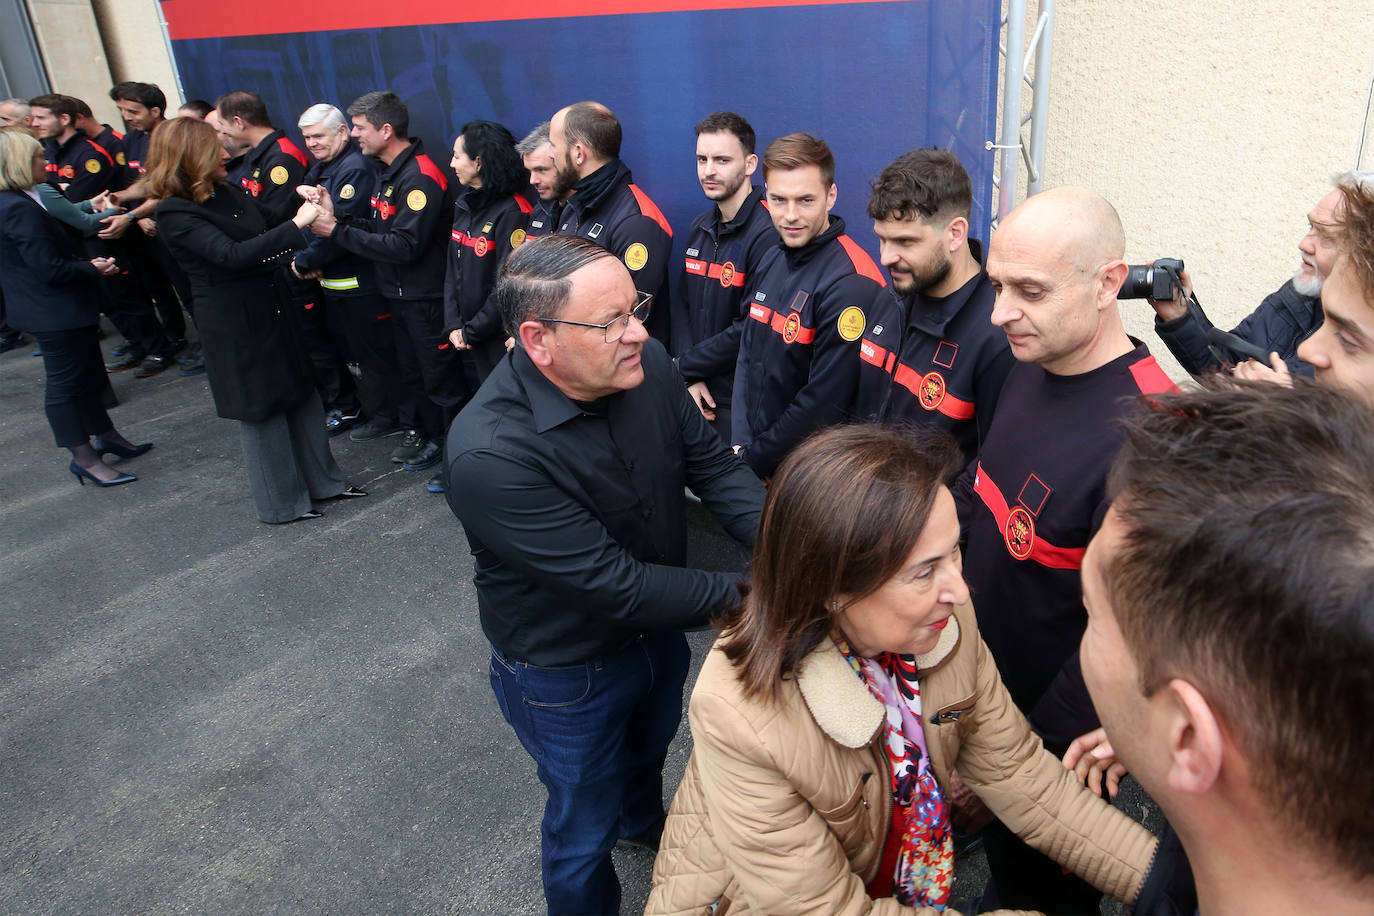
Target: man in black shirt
(567, 471)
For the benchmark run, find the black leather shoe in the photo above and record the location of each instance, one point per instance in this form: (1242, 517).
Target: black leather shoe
(127, 361)
(103, 448)
(152, 366)
(412, 444)
(435, 484)
(427, 457)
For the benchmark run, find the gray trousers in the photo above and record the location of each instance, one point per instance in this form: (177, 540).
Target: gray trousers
(289, 462)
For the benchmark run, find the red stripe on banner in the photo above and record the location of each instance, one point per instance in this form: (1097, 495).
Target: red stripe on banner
(190, 19)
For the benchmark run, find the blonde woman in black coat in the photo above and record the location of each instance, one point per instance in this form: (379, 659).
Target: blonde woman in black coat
(50, 291)
(257, 365)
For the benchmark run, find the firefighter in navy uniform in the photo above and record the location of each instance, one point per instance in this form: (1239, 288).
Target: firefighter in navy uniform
(1038, 491)
(490, 218)
(606, 205)
(537, 153)
(273, 166)
(353, 309)
(930, 354)
(141, 105)
(407, 241)
(725, 245)
(808, 307)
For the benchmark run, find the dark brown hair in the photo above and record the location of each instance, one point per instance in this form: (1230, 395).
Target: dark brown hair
(925, 184)
(1247, 569)
(842, 516)
(247, 106)
(183, 157)
(796, 151)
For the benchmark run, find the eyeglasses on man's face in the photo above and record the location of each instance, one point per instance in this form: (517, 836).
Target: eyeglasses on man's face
(617, 326)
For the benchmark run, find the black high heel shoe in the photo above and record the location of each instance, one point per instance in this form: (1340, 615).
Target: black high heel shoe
(109, 448)
(81, 475)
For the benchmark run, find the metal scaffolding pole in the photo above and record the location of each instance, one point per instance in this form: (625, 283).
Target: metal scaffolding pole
(1016, 53)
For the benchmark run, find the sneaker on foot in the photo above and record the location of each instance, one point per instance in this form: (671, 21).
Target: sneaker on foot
(339, 421)
(412, 443)
(152, 366)
(435, 484)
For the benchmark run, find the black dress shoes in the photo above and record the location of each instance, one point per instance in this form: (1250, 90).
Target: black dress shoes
(103, 448)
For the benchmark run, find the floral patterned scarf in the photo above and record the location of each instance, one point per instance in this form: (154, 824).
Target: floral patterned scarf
(924, 870)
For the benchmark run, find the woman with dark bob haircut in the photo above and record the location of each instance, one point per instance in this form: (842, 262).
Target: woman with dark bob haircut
(841, 693)
(257, 365)
(489, 221)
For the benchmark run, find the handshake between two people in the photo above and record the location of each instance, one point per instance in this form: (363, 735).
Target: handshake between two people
(316, 213)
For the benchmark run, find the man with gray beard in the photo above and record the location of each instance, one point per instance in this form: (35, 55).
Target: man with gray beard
(1285, 318)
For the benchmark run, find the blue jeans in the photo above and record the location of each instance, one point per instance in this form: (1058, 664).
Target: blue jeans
(599, 732)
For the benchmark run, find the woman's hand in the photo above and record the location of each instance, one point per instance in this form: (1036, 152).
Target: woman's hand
(306, 215)
(1089, 757)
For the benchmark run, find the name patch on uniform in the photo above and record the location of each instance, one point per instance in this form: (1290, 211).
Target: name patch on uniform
(759, 297)
(517, 238)
(851, 323)
(92, 166)
(692, 252)
(636, 256)
(346, 192)
(279, 175)
(596, 230)
(486, 228)
(877, 329)
(415, 200)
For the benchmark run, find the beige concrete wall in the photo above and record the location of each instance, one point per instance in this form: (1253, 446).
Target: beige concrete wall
(73, 53)
(1214, 127)
(134, 43)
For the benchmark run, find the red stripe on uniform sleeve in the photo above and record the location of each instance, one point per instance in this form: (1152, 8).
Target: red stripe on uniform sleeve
(100, 149)
(651, 210)
(525, 206)
(863, 264)
(429, 169)
(292, 150)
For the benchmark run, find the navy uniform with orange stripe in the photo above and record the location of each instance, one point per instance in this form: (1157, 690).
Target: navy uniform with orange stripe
(1038, 494)
(112, 142)
(611, 210)
(935, 361)
(407, 242)
(80, 168)
(798, 360)
(485, 231)
(136, 153)
(543, 217)
(270, 173)
(720, 263)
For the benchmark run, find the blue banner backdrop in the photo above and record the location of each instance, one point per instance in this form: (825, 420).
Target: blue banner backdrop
(872, 79)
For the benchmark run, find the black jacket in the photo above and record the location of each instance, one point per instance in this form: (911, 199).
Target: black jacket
(611, 210)
(82, 166)
(576, 517)
(407, 236)
(719, 266)
(48, 285)
(935, 362)
(270, 173)
(798, 355)
(1283, 320)
(254, 356)
(485, 231)
(350, 178)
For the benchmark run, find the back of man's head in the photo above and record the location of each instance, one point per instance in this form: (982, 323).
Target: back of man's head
(534, 282)
(248, 107)
(727, 122)
(380, 107)
(796, 151)
(926, 184)
(1245, 568)
(595, 127)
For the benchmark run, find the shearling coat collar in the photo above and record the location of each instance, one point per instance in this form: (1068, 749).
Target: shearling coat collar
(839, 701)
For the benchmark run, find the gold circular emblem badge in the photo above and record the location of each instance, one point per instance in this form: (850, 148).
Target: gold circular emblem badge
(415, 200)
(279, 175)
(851, 323)
(636, 256)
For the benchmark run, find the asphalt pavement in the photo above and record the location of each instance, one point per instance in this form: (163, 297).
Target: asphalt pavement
(200, 713)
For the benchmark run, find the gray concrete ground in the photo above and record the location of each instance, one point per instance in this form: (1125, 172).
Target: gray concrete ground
(203, 714)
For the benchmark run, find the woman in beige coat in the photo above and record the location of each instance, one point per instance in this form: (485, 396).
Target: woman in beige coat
(841, 694)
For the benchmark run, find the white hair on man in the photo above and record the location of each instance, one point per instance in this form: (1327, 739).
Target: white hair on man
(324, 114)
